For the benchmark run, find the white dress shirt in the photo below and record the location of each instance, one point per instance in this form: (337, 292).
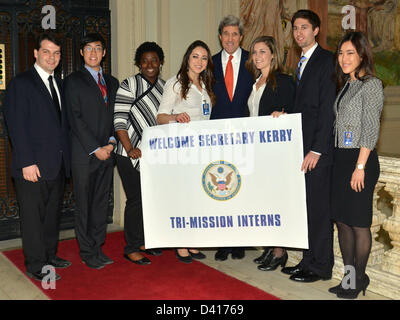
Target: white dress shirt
(307, 55)
(235, 64)
(45, 77)
(172, 103)
(255, 98)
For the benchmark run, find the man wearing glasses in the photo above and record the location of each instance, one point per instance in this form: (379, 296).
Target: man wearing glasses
(90, 96)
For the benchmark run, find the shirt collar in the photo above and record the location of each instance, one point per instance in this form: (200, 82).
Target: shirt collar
(309, 53)
(236, 55)
(94, 72)
(43, 74)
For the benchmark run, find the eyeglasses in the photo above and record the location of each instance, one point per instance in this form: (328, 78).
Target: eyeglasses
(90, 49)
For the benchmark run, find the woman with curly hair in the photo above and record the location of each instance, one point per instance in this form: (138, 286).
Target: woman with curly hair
(137, 102)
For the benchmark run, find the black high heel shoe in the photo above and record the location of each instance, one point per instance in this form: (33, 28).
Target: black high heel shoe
(273, 263)
(187, 259)
(353, 293)
(336, 289)
(263, 258)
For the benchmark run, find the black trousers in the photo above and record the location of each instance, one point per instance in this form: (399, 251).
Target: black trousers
(92, 184)
(133, 214)
(40, 206)
(319, 257)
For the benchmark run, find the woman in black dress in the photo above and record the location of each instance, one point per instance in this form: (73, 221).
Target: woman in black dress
(356, 166)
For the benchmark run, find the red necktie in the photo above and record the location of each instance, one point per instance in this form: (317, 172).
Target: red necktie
(229, 77)
(102, 87)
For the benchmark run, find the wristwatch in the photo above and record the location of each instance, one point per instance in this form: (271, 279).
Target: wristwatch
(360, 166)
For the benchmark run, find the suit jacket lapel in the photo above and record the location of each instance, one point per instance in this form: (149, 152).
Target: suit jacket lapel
(93, 84)
(238, 82)
(42, 87)
(307, 72)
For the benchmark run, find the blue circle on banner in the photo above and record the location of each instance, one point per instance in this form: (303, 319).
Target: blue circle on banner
(221, 180)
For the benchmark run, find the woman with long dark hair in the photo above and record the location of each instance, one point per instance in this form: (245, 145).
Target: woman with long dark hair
(356, 167)
(188, 96)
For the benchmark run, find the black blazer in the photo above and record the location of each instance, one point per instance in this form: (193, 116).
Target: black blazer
(224, 107)
(90, 118)
(36, 134)
(280, 97)
(315, 96)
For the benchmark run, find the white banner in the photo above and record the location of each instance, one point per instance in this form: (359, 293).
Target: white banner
(234, 182)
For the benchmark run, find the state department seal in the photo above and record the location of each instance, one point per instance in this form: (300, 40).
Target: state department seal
(221, 180)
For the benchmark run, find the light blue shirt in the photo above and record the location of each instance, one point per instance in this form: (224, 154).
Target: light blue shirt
(95, 76)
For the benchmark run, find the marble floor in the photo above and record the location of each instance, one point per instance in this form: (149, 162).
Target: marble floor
(14, 285)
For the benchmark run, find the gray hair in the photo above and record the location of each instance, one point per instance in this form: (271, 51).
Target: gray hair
(230, 21)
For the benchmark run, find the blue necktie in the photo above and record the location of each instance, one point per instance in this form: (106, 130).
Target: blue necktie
(298, 73)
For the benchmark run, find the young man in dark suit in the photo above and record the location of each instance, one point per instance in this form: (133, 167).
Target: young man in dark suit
(233, 85)
(37, 125)
(90, 96)
(315, 95)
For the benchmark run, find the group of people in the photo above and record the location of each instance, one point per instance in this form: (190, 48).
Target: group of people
(339, 97)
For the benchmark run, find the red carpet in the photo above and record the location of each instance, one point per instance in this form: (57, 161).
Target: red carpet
(165, 279)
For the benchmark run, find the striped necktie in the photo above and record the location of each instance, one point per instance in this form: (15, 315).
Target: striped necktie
(298, 70)
(102, 87)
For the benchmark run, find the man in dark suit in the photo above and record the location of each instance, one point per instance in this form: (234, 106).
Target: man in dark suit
(315, 95)
(233, 85)
(90, 96)
(38, 129)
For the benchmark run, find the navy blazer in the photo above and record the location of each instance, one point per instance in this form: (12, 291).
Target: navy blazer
(90, 119)
(36, 134)
(315, 96)
(224, 107)
(280, 97)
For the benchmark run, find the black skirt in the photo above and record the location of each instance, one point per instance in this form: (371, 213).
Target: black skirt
(347, 206)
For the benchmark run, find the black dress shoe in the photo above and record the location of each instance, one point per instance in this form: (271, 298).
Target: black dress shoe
(307, 277)
(291, 270)
(187, 259)
(40, 275)
(141, 262)
(153, 252)
(267, 255)
(93, 263)
(104, 259)
(199, 255)
(274, 263)
(221, 255)
(59, 263)
(238, 253)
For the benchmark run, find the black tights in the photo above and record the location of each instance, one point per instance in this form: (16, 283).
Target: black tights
(355, 245)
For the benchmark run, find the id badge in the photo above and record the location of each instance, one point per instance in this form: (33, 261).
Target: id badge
(348, 138)
(206, 108)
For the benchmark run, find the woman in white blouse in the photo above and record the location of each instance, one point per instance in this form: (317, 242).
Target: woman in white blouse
(188, 96)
